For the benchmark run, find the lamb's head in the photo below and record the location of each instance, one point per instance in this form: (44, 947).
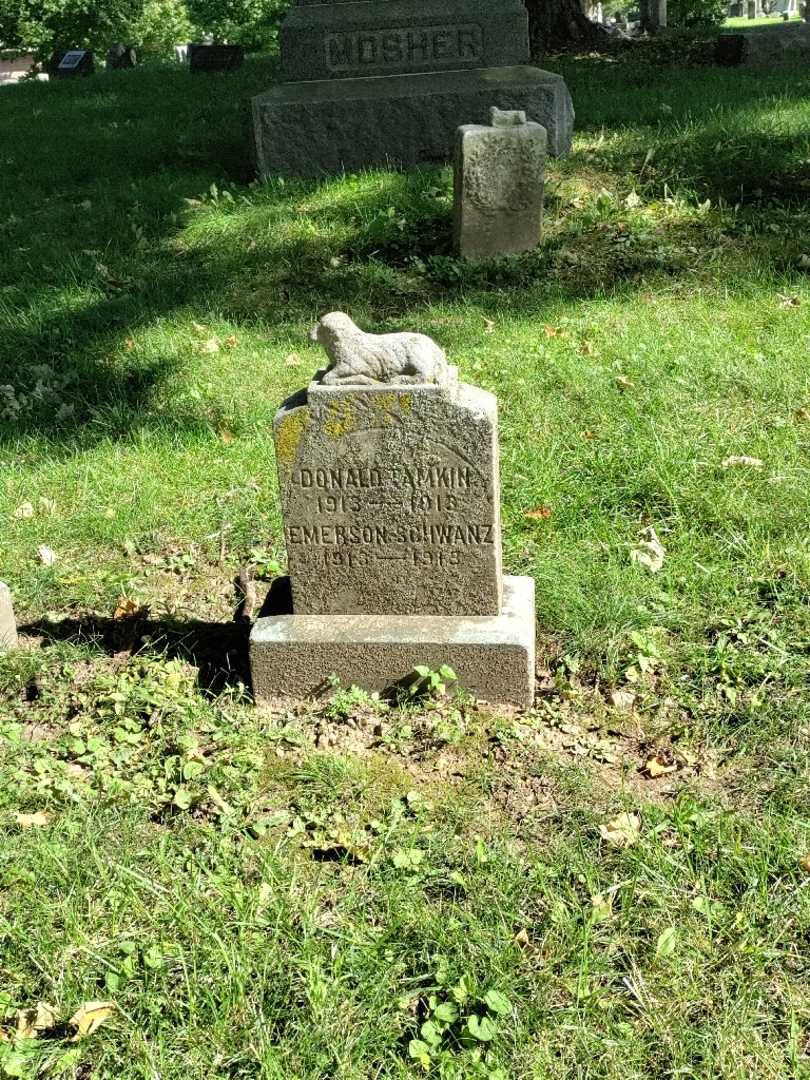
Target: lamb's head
(332, 327)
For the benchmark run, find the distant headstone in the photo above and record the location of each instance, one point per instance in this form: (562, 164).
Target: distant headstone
(379, 82)
(498, 185)
(72, 63)
(213, 58)
(120, 57)
(181, 54)
(764, 45)
(8, 625)
(388, 474)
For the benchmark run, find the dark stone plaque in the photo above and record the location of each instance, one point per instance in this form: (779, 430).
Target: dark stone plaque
(214, 58)
(71, 63)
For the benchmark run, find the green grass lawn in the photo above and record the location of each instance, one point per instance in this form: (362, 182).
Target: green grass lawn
(741, 22)
(348, 889)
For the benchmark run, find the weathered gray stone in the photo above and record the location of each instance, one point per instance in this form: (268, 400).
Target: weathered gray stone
(396, 37)
(8, 624)
(498, 186)
(390, 499)
(493, 657)
(307, 129)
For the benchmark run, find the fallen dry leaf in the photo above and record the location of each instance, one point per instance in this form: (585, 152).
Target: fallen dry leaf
(230, 341)
(649, 551)
(788, 301)
(623, 831)
(632, 200)
(489, 325)
(46, 555)
(622, 699)
(226, 436)
(588, 434)
(32, 821)
(742, 459)
(211, 345)
(551, 331)
(31, 1021)
(521, 938)
(129, 344)
(623, 383)
(293, 360)
(125, 608)
(802, 414)
(24, 510)
(657, 765)
(601, 908)
(804, 863)
(540, 513)
(587, 348)
(90, 1016)
(46, 505)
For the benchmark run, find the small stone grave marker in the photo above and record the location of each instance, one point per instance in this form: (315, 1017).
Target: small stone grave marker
(213, 58)
(120, 57)
(388, 475)
(8, 625)
(498, 185)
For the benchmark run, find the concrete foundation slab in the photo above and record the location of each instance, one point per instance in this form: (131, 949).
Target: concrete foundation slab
(492, 655)
(328, 125)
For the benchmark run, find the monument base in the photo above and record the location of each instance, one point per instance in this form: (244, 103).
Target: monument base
(492, 655)
(331, 125)
(8, 626)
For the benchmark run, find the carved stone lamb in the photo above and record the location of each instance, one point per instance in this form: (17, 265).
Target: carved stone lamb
(369, 359)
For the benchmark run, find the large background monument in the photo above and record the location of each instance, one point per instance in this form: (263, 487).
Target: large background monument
(377, 82)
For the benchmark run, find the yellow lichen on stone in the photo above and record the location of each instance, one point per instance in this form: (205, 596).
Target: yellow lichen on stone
(341, 418)
(287, 436)
(349, 414)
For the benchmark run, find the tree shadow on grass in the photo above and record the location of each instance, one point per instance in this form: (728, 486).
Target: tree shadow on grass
(219, 650)
(109, 244)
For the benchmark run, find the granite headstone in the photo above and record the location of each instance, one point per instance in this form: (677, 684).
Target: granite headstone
(214, 58)
(389, 489)
(71, 64)
(120, 57)
(379, 82)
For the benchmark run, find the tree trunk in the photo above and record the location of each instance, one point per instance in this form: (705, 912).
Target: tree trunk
(556, 23)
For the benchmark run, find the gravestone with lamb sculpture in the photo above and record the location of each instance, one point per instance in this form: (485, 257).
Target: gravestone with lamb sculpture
(390, 497)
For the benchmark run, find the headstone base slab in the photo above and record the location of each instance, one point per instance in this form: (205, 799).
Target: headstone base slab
(8, 624)
(492, 655)
(327, 126)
